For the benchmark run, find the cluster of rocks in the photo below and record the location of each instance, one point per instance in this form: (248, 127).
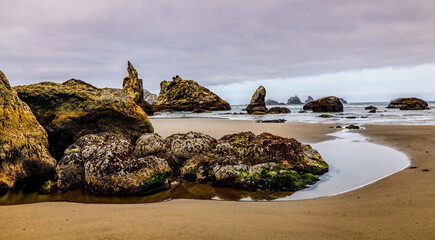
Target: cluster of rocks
(108, 163)
(257, 106)
(187, 95)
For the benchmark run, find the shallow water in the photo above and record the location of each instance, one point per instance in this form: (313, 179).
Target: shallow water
(354, 162)
(353, 113)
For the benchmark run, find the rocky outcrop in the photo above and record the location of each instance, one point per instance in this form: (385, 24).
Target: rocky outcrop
(273, 102)
(409, 104)
(370, 108)
(294, 100)
(342, 101)
(278, 110)
(257, 103)
(74, 108)
(24, 157)
(149, 96)
(326, 104)
(309, 99)
(107, 163)
(104, 164)
(186, 95)
(133, 85)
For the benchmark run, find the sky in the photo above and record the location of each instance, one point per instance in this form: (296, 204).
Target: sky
(360, 50)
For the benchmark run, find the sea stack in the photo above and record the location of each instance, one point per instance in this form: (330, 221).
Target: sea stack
(309, 99)
(325, 104)
(24, 155)
(409, 104)
(294, 100)
(75, 108)
(133, 85)
(258, 105)
(149, 96)
(187, 95)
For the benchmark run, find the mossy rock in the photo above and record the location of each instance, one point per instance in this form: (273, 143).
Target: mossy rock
(325, 104)
(187, 95)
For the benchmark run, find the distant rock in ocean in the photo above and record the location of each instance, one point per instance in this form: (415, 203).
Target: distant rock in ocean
(294, 100)
(273, 102)
(257, 104)
(409, 104)
(149, 96)
(24, 157)
(309, 99)
(187, 95)
(326, 104)
(74, 108)
(133, 85)
(278, 110)
(342, 101)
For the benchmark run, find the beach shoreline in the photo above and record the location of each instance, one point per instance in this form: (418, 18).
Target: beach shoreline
(399, 206)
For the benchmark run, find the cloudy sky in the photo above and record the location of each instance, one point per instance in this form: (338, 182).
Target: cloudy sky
(360, 50)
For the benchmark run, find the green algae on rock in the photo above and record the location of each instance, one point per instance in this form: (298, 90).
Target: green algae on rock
(74, 108)
(187, 95)
(325, 104)
(133, 85)
(24, 157)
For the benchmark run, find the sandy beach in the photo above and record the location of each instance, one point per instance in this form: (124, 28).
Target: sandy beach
(401, 206)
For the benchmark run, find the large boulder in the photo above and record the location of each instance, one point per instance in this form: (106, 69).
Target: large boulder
(325, 104)
(294, 100)
(278, 110)
(257, 103)
(24, 157)
(187, 95)
(74, 108)
(133, 85)
(409, 104)
(104, 164)
(248, 161)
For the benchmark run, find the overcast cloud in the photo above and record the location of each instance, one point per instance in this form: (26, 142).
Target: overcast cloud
(214, 42)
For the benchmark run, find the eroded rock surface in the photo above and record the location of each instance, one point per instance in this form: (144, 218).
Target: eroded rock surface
(24, 157)
(74, 108)
(187, 95)
(103, 163)
(133, 85)
(325, 104)
(278, 110)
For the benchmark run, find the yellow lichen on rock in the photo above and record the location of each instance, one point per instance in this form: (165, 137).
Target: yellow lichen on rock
(23, 141)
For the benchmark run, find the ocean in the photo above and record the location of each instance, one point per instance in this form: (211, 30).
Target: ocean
(354, 113)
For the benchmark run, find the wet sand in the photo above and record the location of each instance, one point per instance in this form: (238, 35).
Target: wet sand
(401, 206)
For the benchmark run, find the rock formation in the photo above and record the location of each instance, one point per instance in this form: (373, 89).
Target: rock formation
(108, 163)
(309, 99)
(103, 163)
(326, 104)
(133, 85)
(186, 95)
(409, 104)
(273, 102)
(24, 157)
(257, 105)
(370, 108)
(149, 96)
(278, 110)
(342, 101)
(74, 108)
(294, 100)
